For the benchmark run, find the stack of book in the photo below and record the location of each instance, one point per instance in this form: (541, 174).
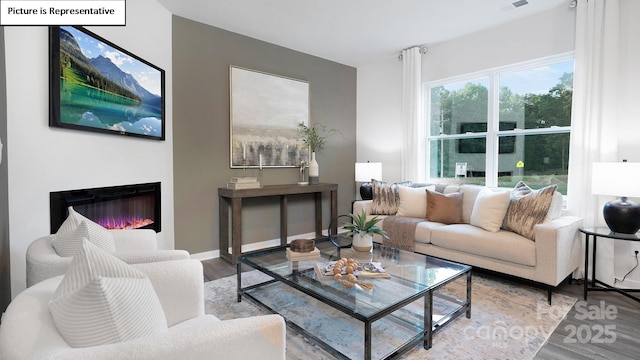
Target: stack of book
(243, 183)
(303, 256)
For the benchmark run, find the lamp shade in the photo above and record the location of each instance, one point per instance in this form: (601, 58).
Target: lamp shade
(616, 179)
(367, 171)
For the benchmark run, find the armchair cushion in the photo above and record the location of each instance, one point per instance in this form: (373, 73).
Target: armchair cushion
(102, 300)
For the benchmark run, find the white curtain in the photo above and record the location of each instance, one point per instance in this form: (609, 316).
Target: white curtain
(413, 151)
(594, 116)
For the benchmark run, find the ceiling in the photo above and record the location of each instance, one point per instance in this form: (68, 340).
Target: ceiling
(355, 32)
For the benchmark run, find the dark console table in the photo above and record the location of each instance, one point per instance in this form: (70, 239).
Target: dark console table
(230, 203)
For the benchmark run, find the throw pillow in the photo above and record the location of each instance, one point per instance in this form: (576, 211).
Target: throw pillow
(444, 208)
(527, 208)
(102, 300)
(67, 239)
(413, 201)
(385, 197)
(489, 209)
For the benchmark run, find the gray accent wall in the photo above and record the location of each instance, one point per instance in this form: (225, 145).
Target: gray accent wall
(5, 266)
(202, 55)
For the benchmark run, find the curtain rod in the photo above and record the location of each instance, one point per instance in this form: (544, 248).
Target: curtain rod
(423, 50)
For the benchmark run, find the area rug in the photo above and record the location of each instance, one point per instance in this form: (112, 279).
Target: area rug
(508, 320)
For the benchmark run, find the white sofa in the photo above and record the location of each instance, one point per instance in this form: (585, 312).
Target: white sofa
(132, 246)
(553, 255)
(28, 330)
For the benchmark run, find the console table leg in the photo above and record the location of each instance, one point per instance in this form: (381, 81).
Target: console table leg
(284, 204)
(318, 206)
(223, 227)
(367, 340)
(236, 229)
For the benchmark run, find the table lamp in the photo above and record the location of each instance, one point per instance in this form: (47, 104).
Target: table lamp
(364, 173)
(618, 179)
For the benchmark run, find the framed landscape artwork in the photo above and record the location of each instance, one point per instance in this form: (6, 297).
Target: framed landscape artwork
(265, 112)
(100, 87)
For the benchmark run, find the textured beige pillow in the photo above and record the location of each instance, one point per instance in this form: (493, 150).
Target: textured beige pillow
(445, 209)
(102, 300)
(527, 208)
(385, 197)
(67, 238)
(489, 209)
(413, 201)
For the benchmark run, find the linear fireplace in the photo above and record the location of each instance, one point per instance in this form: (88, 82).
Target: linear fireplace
(117, 207)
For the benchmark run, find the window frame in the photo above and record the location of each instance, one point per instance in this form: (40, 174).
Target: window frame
(493, 114)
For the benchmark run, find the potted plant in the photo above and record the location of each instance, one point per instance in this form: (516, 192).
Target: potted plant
(363, 231)
(314, 137)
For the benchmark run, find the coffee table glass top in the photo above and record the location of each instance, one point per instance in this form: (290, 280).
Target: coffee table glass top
(410, 278)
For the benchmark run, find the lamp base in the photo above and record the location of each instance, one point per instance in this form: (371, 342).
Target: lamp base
(366, 191)
(622, 216)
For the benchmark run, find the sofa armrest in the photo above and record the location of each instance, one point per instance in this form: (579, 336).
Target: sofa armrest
(180, 287)
(134, 239)
(148, 256)
(362, 205)
(558, 248)
(43, 262)
(203, 338)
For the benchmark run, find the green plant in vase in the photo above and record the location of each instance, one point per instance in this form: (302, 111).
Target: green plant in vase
(314, 137)
(363, 231)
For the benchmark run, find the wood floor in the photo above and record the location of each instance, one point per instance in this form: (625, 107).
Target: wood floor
(606, 326)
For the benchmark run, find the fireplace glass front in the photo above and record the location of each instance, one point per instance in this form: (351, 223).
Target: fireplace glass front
(118, 207)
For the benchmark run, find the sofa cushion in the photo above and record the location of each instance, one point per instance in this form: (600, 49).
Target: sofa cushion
(385, 197)
(489, 209)
(528, 208)
(101, 300)
(502, 245)
(469, 194)
(67, 239)
(413, 201)
(423, 231)
(557, 204)
(444, 208)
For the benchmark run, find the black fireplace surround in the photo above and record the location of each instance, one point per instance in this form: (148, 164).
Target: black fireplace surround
(118, 207)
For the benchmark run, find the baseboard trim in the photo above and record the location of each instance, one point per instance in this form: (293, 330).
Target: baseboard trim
(214, 254)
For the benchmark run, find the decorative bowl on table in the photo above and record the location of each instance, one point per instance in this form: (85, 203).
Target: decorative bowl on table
(302, 245)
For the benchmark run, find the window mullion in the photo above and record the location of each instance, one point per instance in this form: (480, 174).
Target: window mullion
(491, 175)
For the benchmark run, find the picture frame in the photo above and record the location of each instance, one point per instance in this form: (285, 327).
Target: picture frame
(265, 111)
(95, 85)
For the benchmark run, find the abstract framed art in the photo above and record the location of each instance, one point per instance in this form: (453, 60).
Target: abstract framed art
(97, 86)
(265, 112)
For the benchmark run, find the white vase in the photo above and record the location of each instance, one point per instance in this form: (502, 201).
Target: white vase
(362, 243)
(314, 170)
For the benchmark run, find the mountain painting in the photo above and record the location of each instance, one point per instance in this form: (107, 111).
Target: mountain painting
(104, 88)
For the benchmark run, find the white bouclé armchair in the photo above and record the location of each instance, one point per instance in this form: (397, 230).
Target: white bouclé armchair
(132, 246)
(28, 330)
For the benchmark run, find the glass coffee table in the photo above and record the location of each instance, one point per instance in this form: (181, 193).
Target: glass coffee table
(420, 297)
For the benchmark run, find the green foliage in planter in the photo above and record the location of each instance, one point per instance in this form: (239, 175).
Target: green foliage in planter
(362, 226)
(315, 136)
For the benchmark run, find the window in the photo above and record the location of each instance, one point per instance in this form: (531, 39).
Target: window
(502, 125)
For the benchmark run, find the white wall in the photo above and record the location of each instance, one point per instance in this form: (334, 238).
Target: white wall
(43, 159)
(379, 113)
